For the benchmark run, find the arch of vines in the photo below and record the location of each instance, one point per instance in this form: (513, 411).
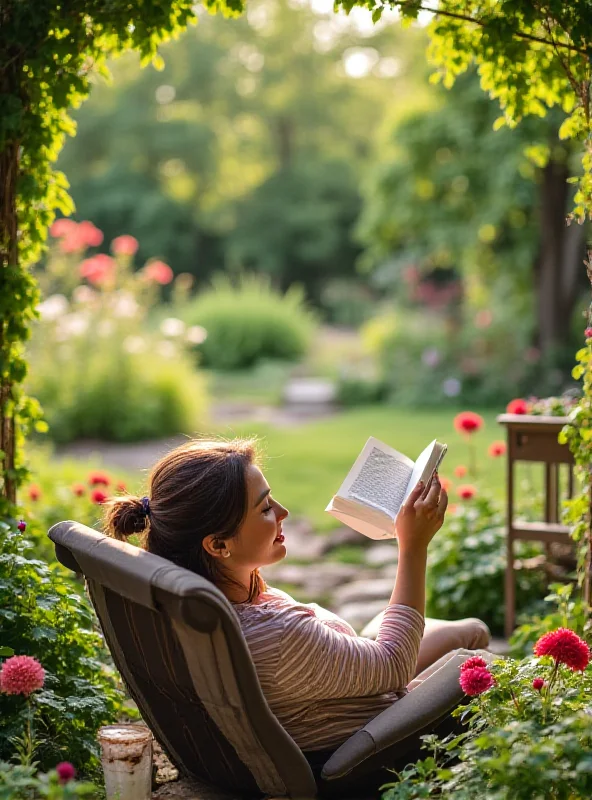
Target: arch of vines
(531, 55)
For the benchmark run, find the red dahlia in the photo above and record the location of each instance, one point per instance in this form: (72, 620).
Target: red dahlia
(497, 449)
(468, 422)
(466, 491)
(472, 662)
(98, 496)
(518, 406)
(99, 479)
(538, 684)
(476, 681)
(565, 647)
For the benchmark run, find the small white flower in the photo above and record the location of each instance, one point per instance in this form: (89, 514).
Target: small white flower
(72, 325)
(451, 387)
(124, 305)
(83, 294)
(196, 334)
(54, 307)
(172, 327)
(134, 344)
(105, 327)
(166, 349)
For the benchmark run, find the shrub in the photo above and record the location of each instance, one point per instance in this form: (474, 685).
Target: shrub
(466, 566)
(250, 321)
(18, 782)
(46, 616)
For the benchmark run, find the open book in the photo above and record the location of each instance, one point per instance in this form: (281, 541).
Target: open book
(378, 484)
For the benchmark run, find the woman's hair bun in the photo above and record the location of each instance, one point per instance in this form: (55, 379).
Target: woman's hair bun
(125, 516)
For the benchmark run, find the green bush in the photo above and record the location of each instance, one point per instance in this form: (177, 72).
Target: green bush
(19, 782)
(47, 616)
(466, 566)
(250, 321)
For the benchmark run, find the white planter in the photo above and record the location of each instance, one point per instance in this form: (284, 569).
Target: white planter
(127, 761)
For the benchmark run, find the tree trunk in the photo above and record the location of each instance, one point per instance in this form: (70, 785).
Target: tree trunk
(560, 259)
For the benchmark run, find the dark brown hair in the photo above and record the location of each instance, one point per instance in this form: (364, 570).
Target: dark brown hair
(200, 488)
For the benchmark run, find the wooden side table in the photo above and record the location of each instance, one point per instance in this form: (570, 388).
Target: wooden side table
(534, 438)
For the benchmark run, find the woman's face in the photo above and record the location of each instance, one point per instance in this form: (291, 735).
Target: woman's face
(259, 540)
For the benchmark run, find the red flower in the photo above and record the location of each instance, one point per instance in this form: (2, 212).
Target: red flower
(89, 234)
(98, 269)
(21, 675)
(62, 227)
(466, 491)
(518, 406)
(476, 681)
(472, 662)
(460, 471)
(497, 449)
(468, 422)
(588, 333)
(565, 647)
(125, 245)
(99, 479)
(121, 487)
(34, 492)
(66, 772)
(78, 489)
(538, 684)
(445, 483)
(98, 496)
(159, 272)
(22, 526)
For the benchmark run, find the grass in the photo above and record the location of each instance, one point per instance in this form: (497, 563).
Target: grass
(305, 465)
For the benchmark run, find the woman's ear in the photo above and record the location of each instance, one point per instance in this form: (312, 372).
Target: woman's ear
(214, 546)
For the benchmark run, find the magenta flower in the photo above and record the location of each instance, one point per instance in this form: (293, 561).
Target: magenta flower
(472, 662)
(66, 771)
(476, 681)
(21, 675)
(565, 647)
(538, 684)
(125, 245)
(22, 526)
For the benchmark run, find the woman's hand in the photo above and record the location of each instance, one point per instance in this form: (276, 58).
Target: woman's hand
(421, 517)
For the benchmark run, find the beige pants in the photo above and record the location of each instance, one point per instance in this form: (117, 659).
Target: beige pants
(440, 638)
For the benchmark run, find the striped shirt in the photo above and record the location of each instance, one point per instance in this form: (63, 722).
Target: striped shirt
(321, 680)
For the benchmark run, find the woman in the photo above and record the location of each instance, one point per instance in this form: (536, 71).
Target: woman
(210, 510)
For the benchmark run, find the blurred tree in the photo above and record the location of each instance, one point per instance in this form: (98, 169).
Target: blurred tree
(460, 195)
(248, 148)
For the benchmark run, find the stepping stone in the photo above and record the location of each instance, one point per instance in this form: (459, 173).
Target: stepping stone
(364, 590)
(359, 614)
(382, 553)
(309, 391)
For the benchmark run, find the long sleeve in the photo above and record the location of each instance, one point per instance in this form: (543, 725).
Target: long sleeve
(318, 662)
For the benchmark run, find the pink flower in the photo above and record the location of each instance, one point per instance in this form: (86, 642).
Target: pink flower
(78, 489)
(62, 227)
(538, 684)
(99, 479)
(159, 272)
(476, 681)
(472, 662)
(518, 406)
(497, 449)
(22, 526)
(98, 269)
(588, 333)
(466, 491)
(98, 496)
(565, 647)
(124, 245)
(460, 471)
(445, 483)
(89, 234)
(468, 422)
(34, 492)
(21, 675)
(66, 771)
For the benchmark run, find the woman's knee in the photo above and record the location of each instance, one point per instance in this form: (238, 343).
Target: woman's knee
(478, 634)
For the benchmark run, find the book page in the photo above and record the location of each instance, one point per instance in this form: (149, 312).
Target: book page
(382, 481)
(425, 465)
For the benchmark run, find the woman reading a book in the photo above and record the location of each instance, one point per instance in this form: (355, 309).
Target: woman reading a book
(210, 510)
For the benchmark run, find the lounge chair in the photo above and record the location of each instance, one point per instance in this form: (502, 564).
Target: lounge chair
(177, 643)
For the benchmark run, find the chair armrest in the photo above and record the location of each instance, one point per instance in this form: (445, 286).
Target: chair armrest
(429, 702)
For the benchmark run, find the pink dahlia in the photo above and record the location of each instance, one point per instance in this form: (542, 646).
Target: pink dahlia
(62, 227)
(538, 684)
(468, 422)
(98, 269)
(588, 333)
(497, 449)
(159, 272)
(472, 662)
(466, 491)
(89, 234)
(21, 675)
(125, 245)
(98, 496)
(565, 647)
(476, 681)
(66, 772)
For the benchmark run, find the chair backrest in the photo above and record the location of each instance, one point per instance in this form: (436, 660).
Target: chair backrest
(177, 643)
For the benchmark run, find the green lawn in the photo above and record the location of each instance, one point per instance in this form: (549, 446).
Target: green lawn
(306, 464)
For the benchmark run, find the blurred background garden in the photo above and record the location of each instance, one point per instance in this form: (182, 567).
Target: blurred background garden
(288, 229)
